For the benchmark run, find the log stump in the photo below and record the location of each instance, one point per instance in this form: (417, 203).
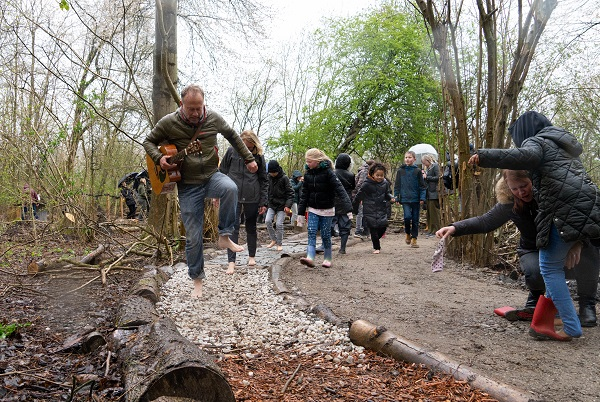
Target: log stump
(159, 362)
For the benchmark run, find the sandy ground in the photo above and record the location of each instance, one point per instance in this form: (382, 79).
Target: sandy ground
(450, 312)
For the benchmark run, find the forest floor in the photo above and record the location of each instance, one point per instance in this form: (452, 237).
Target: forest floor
(449, 311)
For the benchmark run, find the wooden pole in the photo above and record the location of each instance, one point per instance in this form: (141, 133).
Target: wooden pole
(379, 339)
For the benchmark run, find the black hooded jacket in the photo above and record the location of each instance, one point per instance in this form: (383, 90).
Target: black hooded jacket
(346, 177)
(565, 194)
(320, 189)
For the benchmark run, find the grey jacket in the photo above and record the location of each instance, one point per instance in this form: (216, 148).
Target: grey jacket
(252, 187)
(432, 181)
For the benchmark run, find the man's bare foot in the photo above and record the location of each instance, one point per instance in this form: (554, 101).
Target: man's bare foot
(225, 242)
(230, 268)
(279, 248)
(376, 252)
(251, 261)
(271, 244)
(197, 292)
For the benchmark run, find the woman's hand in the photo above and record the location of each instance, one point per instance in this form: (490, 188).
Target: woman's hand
(445, 232)
(473, 160)
(573, 255)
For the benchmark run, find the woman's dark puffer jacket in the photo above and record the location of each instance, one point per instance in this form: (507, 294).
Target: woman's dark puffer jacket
(321, 187)
(565, 194)
(375, 197)
(346, 177)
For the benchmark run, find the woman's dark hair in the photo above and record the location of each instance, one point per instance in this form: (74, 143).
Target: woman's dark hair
(375, 167)
(520, 175)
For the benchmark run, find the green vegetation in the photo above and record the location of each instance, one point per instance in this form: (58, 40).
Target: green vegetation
(7, 330)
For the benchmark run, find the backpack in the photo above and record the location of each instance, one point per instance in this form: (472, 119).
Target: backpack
(447, 176)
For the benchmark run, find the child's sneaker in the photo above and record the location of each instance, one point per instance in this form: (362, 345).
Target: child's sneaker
(407, 238)
(413, 243)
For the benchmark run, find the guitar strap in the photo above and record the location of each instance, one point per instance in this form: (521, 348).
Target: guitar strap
(200, 125)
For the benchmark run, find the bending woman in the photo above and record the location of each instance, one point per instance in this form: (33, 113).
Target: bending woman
(514, 192)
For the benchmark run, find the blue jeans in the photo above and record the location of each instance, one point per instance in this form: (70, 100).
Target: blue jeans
(411, 218)
(191, 203)
(275, 234)
(323, 224)
(552, 261)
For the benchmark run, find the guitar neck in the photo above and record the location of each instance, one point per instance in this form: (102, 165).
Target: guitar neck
(178, 157)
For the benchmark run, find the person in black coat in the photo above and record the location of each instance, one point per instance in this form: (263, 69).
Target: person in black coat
(516, 203)
(319, 192)
(252, 193)
(376, 197)
(568, 210)
(341, 220)
(127, 193)
(281, 197)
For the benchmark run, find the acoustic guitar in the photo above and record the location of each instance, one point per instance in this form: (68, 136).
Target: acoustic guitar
(163, 181)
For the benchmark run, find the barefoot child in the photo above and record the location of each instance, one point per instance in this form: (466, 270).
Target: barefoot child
(281, 198)
(376, 196)
(321, 187)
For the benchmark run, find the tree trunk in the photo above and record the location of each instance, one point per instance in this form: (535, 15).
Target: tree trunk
(164, 97)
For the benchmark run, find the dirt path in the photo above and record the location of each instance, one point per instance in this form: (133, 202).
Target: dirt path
(451, 312)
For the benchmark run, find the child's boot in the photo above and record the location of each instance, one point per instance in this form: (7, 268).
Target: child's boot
(413, 243)
(309, 260)
(343, 242)
(327, 257)
(407, 238)
(542, 324)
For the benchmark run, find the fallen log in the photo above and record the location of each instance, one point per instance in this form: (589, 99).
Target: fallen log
(158, 363)
(381, 340)
(136, 311)
(91, 257)
(149, 284)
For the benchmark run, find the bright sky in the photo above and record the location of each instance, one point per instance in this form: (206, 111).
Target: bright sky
(294, 16)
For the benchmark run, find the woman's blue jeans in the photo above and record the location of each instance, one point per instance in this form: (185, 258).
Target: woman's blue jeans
(552, 262)
(191, 203)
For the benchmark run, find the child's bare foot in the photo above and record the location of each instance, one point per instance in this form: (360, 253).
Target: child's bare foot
(279, 248)
(197, 292)
(251, 261)
(230, 268)
(376, 252)
(271, 244)
(225, 242)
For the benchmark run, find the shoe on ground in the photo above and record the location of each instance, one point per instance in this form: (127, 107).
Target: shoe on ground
(399, 230)
(342, 251)
(320, 250)
(550, 335)
(407, 240)
(520, 314)
(413, 243)
(587, 316)
(358, 234)
(307, 261)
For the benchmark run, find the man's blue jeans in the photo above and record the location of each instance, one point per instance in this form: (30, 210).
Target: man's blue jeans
(411, 218)
(552, 261)
(191, 203)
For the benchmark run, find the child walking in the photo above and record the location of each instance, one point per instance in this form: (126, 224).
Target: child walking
(281, 198)
(410, 191)
(375, 196)
(319, 192)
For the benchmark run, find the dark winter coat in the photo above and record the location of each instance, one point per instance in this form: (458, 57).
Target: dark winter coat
(342, 166)
(376, 199)
(252, 187)
(565, 194)
(321, 187)
(281, 194)
(409, 185)
(501, 213)
(297, 185)
(432, 181)
(127, 193)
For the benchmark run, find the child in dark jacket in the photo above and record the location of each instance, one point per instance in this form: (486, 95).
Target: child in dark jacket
(410, 191)
(281, 197)
(321, 187)
(376, 198)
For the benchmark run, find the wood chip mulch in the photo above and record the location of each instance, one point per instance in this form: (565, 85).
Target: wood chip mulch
(289, 377)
